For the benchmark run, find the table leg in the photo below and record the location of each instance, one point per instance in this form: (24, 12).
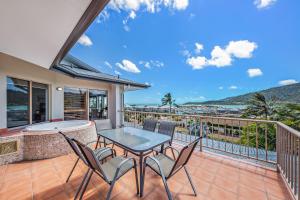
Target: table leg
(162, 148)
(141, 158)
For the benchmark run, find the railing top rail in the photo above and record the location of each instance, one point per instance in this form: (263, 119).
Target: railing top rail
(289, 129)
(205, 117)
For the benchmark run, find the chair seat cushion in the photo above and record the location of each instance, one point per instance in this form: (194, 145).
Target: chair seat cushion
(110, 167)
(104, 155)
(166, 163)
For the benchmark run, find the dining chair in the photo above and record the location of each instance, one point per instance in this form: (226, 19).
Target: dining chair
(103, 124)
(110, 171)
(166, 167)
(79, 155)
(166, 128)
(149, 124)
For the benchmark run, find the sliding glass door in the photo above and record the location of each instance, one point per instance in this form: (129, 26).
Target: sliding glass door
(97, 104)
(27, 102)
(39, 102)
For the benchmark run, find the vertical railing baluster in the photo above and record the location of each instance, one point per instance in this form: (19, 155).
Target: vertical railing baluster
(266, 142)
(201, 135)
(247, 135)
(240, 142)
(212, 130)
(292, 161)
(256, 140)
(298, 164)
(288, 157)
(232, 136)
(219, 133)
(225, 133)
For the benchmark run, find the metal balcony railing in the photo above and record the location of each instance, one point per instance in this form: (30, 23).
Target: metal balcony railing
(265, 141)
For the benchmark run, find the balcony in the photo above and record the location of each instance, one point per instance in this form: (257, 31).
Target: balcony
(223, 166)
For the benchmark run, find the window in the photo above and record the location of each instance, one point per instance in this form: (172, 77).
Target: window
(97, 104)
(75, 103)
(20, 110)
(17, 102)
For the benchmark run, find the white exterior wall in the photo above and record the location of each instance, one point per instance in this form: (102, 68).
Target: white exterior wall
(13, 67)
(3, 120)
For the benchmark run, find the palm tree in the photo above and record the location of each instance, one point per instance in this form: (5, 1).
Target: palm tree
(168, 100)
(259, 106)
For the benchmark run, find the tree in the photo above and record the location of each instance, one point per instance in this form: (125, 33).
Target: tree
(260, 107)
(168, 100)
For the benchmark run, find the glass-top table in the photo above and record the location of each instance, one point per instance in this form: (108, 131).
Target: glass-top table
(137, 141)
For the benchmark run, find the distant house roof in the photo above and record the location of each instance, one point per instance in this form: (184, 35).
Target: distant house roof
(78, 69)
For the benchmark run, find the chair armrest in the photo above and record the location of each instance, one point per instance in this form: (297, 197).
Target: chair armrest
(90, 142)
(104, 151)
(156, 162)
(170, 147)
(122, 164)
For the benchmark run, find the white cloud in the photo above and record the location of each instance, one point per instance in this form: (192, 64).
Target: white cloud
(186, 53)
(108, 64)
(221, 88)
(132, 14)
(241, 49)
(180, 4)
(254, 72)
(85, 40)
(151, 6)
(199, 47)
(198, 62)
(288, 82)
(128, 66)
(102, 17)
(221, 57)
(233, 87)
(126, 28)
(117, 73)
(152, 63)
(264, 3)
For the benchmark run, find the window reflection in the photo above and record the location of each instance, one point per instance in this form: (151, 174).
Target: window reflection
(17, 102)
(39, 102)
(97, 104)
(75, 103)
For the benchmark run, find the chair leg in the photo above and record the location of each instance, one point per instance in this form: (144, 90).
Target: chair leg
(71, 172)
(166, 187)
(86, 184)
(110, 190)
(136, 178)
(143, 179)
(81, 184)
(98, 142)
(190, 180)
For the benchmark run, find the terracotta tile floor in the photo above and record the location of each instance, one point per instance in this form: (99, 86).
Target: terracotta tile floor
(214, 177)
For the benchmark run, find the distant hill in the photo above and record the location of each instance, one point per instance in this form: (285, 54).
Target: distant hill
(284, 94)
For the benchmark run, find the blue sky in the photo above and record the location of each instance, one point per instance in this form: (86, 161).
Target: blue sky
(196, 49)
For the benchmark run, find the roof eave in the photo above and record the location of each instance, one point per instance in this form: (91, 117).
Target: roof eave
(113, 81)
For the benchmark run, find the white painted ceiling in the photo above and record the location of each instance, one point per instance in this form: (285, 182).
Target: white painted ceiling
(35, 30)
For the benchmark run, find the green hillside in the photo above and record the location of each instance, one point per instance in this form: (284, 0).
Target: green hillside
(284, 94)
